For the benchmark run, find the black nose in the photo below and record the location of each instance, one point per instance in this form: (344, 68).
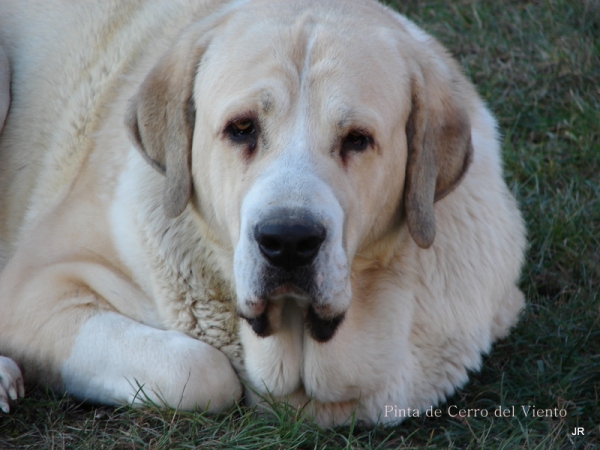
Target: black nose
(289, 242)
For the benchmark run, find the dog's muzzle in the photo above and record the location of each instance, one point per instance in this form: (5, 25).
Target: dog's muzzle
(289, 243)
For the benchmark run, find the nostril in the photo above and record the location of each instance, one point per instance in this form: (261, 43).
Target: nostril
(269, 243)
(309, 246)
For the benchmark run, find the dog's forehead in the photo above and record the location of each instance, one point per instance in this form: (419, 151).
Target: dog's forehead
(335, 57)
(310, 31)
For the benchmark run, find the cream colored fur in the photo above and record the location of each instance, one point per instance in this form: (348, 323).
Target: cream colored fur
(127, 212)
(11, 379)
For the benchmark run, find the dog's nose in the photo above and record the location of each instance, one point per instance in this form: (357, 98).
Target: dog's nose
(289, 242)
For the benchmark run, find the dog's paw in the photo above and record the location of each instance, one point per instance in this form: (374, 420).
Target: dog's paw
(11, 383)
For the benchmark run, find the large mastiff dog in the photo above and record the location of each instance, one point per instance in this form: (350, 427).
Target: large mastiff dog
(306, 196)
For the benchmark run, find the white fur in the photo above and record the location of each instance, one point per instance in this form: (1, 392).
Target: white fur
(290, 182)
(116, 360)
(102, 293)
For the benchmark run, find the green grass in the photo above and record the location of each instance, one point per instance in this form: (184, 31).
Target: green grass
(537, 64)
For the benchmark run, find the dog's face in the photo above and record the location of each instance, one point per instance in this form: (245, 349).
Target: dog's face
(305, 135)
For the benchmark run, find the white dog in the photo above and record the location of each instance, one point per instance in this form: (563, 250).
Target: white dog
(303, 195)
(11, 380)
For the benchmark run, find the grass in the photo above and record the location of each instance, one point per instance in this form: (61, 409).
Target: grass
(537, 64)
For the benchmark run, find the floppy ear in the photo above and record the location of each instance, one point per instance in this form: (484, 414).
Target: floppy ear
(438, 134)
(161, 116)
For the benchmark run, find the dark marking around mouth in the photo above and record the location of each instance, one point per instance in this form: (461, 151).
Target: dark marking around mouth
(260, 324)
(322, 330)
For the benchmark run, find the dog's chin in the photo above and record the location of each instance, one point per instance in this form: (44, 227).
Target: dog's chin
(270, 319)
(289, 292)
(321, 328)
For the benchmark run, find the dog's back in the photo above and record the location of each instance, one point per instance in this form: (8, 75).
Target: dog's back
(64, 73)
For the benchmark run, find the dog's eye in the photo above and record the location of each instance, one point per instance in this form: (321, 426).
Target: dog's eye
(241, 131)
(355, 141)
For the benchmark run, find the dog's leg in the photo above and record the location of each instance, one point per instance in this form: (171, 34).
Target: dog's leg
(64, 335)
(11, 383)
(115, 360)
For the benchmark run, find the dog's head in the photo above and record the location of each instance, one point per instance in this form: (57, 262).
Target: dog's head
(304, 133)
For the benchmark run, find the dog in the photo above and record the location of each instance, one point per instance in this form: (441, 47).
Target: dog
(11, 379)
(303, 198)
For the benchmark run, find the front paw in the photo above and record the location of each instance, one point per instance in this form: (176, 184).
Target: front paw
(11, 383)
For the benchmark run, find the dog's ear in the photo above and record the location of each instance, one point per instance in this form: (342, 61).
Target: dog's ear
(161, 117)
(438, 134)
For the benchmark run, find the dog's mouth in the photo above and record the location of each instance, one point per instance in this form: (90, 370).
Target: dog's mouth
(322, 329)
(289, 292)
(268, 322)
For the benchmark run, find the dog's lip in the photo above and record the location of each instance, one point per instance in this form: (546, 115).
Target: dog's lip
(289, 292)
(256, 305)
